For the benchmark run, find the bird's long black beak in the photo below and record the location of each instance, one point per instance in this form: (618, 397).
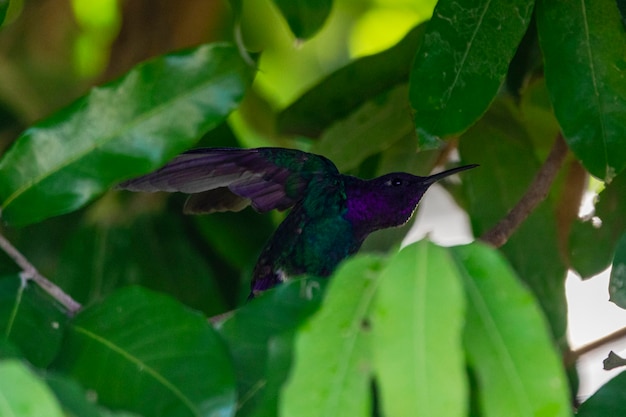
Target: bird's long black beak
(436, 177)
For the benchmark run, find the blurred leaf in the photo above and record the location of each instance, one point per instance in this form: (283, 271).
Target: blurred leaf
(608, 401)
(504, 329)
(617, 283)
(257, 334)
(500, 143)
(237, 237)
(71, 396)
(174, 362)
(4, 6)
(23, 394)
(463, 60)
(418, 285)
(126, 128)
(350, 87)
(592, 245)
(30, 320)
(277, 370)
(331, 371)
(305, 17)
(153, 251)
(583, 43)
(372, 128)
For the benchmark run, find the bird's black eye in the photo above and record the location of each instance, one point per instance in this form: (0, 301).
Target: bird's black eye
(396, 182)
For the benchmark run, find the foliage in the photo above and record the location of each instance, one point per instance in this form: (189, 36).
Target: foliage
(425, 330)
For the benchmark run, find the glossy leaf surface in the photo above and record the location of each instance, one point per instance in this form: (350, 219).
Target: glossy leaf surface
(462, 62)
(333, 349)
(174, 363)
(583, 43)
(120, 130)
(419, 291)
(504, 327)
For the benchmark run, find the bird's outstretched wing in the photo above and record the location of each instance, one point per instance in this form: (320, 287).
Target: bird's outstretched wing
(228, 179)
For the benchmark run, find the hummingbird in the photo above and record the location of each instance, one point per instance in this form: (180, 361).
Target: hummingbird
(331, 213)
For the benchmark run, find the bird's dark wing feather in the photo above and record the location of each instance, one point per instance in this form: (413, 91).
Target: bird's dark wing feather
(222, 179)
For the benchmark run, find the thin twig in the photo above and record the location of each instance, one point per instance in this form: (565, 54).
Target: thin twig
(31, 273)
(574, 355)
(536, 193)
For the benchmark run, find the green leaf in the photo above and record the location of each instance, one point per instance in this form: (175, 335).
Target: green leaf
(123, 129)
(154, 251)
(501, 143)
(305, 17)
(617, 283)
(30, 320)
(331, 371)
(173, 362)
(374, 127)
(237, 237)
(593, 241)
(71, 396)
(255, 331)
(583, 43)
(350, 87)
(462, 62)
(507, 340)
(608, 401)
(418, 360)
(23, 394)
(4, 7)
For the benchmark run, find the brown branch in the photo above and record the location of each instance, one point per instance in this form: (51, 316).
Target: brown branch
(574, 355)
(29, 272)
(536, 193)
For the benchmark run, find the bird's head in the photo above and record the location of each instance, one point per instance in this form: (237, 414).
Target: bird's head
(389, 200)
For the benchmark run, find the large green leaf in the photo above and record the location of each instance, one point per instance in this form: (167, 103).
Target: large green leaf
(146, 353)
(501, 144)
(583, 43)
(507, 340)
(305, 17)
(30, 320)
(462, 62)
(593, 240)
(257, 335)
(23, 394)
(125, 128)
(350, 87)
(331, 371)
(417, 323)
(608, 401)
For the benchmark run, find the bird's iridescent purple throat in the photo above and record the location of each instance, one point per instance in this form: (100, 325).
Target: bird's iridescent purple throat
(331, 213)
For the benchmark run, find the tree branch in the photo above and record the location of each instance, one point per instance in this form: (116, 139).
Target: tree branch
(537, 192)
(31, 273)
(574, 355)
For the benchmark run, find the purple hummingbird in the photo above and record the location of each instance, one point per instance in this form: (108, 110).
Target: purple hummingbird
(331, 213)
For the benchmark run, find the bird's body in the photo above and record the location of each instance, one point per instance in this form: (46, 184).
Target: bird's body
(332, 213)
